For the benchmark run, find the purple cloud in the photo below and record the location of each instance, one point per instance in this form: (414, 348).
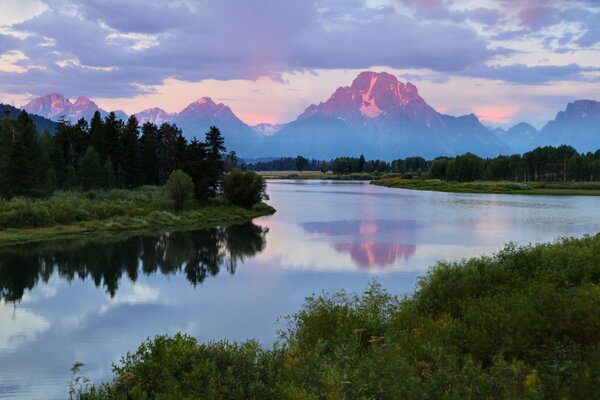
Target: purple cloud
(117, 49)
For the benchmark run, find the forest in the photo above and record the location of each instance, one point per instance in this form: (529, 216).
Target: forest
(548, 163)
(104, 154)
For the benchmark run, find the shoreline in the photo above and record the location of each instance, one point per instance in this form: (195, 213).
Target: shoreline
(315, 175)
(491, 187)
(161, 221)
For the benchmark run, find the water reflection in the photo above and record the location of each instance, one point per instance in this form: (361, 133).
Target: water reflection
(370, 255)
(196, 254)
(369, 246)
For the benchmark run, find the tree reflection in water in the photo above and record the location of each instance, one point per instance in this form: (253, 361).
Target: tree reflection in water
(197, 254)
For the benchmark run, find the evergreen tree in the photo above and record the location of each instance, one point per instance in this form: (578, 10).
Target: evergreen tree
(19, 171)
(108, 175)
(215, 147)
(90, 170)
(149, 153)
(47, 182)
(167, 151)
(111, 145)
(361, 163)
(96, 131)
(132, 167)
(301, 163)
(194, 165)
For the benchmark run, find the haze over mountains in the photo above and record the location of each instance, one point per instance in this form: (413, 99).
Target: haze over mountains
(376, 115)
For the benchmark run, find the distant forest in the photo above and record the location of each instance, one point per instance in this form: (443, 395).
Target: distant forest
(104, 154)
(547, 163)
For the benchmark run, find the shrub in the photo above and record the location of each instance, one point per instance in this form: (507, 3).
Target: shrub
(521, 324)
(180, 187)
(244, 188)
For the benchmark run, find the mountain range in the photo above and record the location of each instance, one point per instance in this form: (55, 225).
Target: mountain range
(376, 115)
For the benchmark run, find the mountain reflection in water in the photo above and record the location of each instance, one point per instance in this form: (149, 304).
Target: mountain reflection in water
(197, 254)
(371, 250)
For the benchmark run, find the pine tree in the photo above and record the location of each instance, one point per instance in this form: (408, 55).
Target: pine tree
(215, 147)
(194, 165)
(47, 182)
(97, 131)
(167, 151)
(19, 171)
(149, 153)
(111, 145)
(132, 167)
(90, 174)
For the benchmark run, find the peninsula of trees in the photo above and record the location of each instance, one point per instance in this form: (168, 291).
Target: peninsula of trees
(111, 175)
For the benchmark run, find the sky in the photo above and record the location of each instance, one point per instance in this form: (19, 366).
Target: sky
(506, 61)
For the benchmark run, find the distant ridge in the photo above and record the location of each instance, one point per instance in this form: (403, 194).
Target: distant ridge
(377, 115)
(41, 123)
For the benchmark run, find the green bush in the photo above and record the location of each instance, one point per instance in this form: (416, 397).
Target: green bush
(244, 188)
(521, 324)
(180, 187)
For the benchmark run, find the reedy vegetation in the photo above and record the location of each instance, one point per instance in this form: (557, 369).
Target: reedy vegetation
(520, 324)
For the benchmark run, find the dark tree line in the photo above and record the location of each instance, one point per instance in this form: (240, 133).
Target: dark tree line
(548, 163)
(105, 153)
(284, 164)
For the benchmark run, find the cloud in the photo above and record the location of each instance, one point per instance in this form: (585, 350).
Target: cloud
(128, 48)
(122, 48)
(521, 73)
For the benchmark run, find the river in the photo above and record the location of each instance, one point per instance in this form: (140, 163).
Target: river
(94, 300)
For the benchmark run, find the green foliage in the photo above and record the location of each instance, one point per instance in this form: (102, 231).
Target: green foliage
(244, 188)
(180, 187)
(324, 167)
(301, 163)
(520, 324)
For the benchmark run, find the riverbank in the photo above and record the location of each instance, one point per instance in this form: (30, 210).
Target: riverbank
(73, 214)
(478, 328)
(503, 187)
(315, 175)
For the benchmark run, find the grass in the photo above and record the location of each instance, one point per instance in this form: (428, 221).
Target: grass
(522, 324)
(317, 175)
(68, 214)
(499, 187)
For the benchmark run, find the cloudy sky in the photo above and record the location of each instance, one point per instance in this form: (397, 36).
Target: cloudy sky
(504, 60)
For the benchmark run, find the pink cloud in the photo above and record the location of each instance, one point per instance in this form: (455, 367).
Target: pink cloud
(498, 115)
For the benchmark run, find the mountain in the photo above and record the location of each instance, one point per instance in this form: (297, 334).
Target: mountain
(267, 129)
(520, 138)
(380, 117)
(155, 115)
(40, 123)
(55, 106)
(197, 118)
(578, 126)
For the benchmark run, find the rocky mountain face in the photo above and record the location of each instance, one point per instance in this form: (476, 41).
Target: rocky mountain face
(154, 115)
(520, 138)
(578, 126)
(55, 106)
(267, 129)
(197, 118)
(380, 117)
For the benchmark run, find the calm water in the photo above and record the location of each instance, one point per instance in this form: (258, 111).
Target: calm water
(94, 301)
